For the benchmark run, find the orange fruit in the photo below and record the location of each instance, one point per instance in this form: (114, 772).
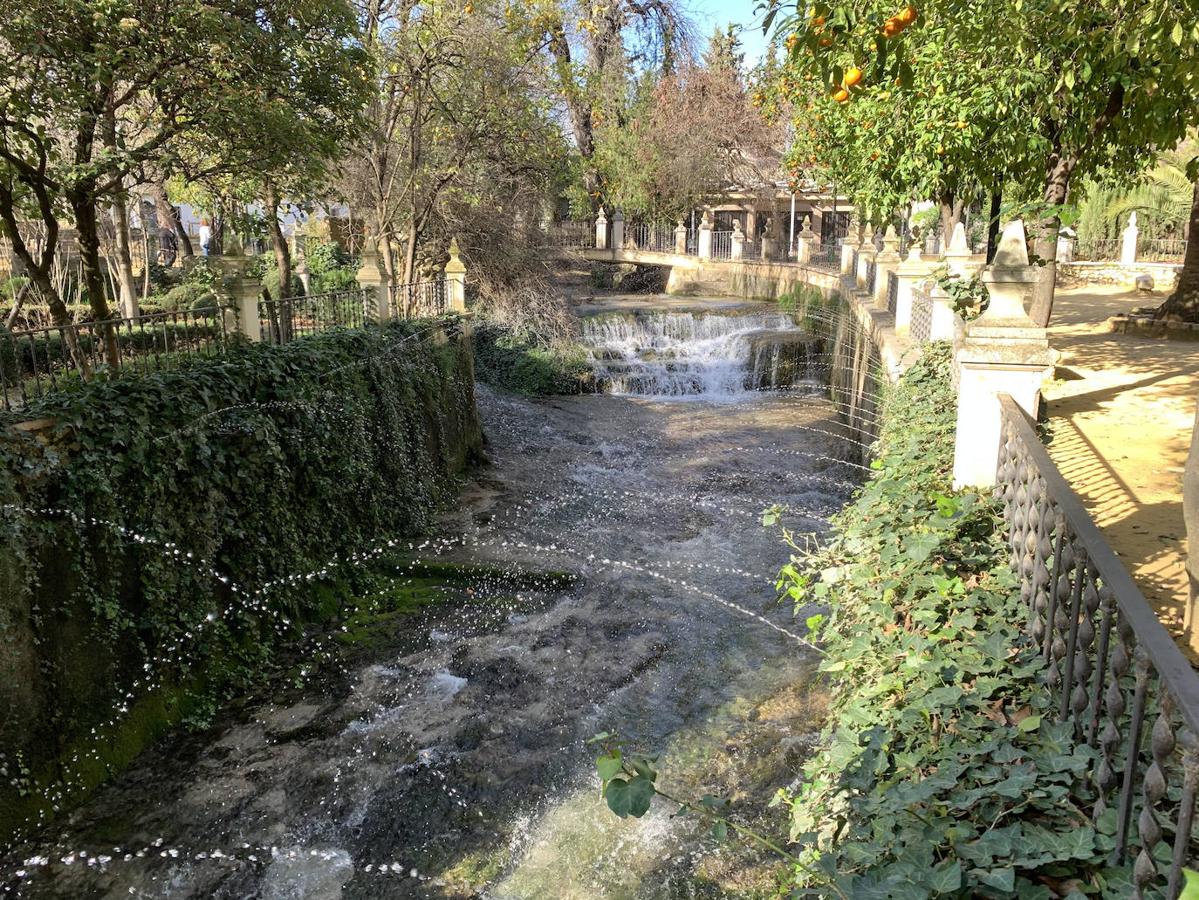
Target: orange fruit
(906, 16)
(819, 20)
(891, 28)
(826, 42)
(852, 76)
(840, 95)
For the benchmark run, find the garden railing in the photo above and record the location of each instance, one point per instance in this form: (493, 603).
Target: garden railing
(892, 291)
(826, 257)
(38, 361)
(1112, 669)
(722, 244)
(921, 327)
(294, 317)
(572, 235)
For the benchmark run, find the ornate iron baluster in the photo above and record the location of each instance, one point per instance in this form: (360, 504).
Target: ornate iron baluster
(1132, 752)
(1080, 698)
(1186, 811)
(1108, 605)
(1153, 791)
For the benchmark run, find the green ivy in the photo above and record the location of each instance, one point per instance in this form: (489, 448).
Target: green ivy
(942, 772)
(522, 366)
(262, 463)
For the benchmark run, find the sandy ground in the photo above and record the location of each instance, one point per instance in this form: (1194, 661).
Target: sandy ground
(1121, 411)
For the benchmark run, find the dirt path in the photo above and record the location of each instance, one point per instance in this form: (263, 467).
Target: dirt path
(1121, 411)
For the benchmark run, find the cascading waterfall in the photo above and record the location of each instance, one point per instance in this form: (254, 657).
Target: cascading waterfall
(691, 354)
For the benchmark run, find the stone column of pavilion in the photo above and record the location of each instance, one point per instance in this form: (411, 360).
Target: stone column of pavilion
(738, 242)
(958, 258)
(805, 241)
(866, 253)
(887, 260)
(1001, 352)
(601, 230)
(704, 248)
(455, 279)
(376, 298)
(240, 292)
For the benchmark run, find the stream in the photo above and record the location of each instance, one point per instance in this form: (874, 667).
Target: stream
(451, 760)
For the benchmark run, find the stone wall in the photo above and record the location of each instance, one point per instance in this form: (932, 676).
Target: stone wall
(1164, 275)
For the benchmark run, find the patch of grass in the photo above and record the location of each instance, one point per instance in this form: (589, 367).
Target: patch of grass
(513, 364)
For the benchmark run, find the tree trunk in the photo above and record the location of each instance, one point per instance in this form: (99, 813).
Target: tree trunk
(282, 257)
(1183, 302)
(128, 285)
(168, 214)
(1057, 185)
(88, 234)
(410, 267)
(579, 110)
(993, 224)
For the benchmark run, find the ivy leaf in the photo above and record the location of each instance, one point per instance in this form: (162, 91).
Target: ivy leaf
(720, 831)
(609, 765)
(1191, 889)
(946, 877)
(1029, 723)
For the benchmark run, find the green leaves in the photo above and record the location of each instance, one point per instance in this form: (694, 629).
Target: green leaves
(629, 797)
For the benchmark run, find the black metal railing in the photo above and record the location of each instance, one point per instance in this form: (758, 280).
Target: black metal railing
(853, 271)
(871, 275)
(420, 299)
(285, 320)
(921, 327)
(826, 257)
(892, 291)
(572, 235)
(1113, 670)
(38, 361)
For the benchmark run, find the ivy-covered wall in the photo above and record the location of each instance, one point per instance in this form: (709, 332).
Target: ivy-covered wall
(151, 526)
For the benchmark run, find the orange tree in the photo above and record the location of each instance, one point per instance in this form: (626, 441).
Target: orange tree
(1028, 94)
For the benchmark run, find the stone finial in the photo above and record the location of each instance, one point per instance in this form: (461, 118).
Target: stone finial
(1132, 219)
(455, 264)
(957, 241)
(1013, 246)
(707, 221)
(737, 227)
(618, 216)
(601, 216)
(807, 226)
(915, 253)
(891, 240)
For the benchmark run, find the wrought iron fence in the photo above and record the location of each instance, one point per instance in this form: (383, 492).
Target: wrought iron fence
(892, 291)
(1115, 672)
(853, 271)
(722, 244)
(922, 314)
(420, 298)
(572, 235)
(37, 361)
(655, 238)
(1100, 250)
(826, 257)
(871, 275)
(294, 317)
(1161, 249)
(752, 249)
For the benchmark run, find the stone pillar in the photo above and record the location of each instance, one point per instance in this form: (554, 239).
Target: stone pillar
(377, 299)
(680, 238)
(1001, 352)
(958, 258)
(768, 241)
(618, 230)
(910, 273)
(738, 242)
(455, 279)
(887, 260)
(601, 230)
(1065, 246)
(866, 251)
(704, 247)
(240, 294)
(1128, 249)
(805, 241)
(943, 322)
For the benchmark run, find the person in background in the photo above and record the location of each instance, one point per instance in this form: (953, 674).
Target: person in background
(205, 236)
(168, 246)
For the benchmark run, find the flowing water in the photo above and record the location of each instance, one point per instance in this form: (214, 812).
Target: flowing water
(451, 761)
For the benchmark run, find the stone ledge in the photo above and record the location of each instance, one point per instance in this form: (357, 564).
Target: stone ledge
(1147, 326)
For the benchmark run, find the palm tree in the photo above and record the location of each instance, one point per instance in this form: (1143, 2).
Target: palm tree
(1164, 192)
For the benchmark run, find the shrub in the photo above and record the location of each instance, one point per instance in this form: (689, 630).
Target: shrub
(943, 772)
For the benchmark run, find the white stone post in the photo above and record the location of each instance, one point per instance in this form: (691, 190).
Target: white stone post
(847, 248)
(804, 241)
(866, 251)
(1065, 246)
(618, 230)
(887, 260)
(601, 230)
(243, 293)
(738, 242)
(704, 247)
(1128, 249)
(768, 241)
(455, 279)
(943, 322)
(910, 272)
(680, 238)
(377, 292)
(957, 256)
(1001, 352)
